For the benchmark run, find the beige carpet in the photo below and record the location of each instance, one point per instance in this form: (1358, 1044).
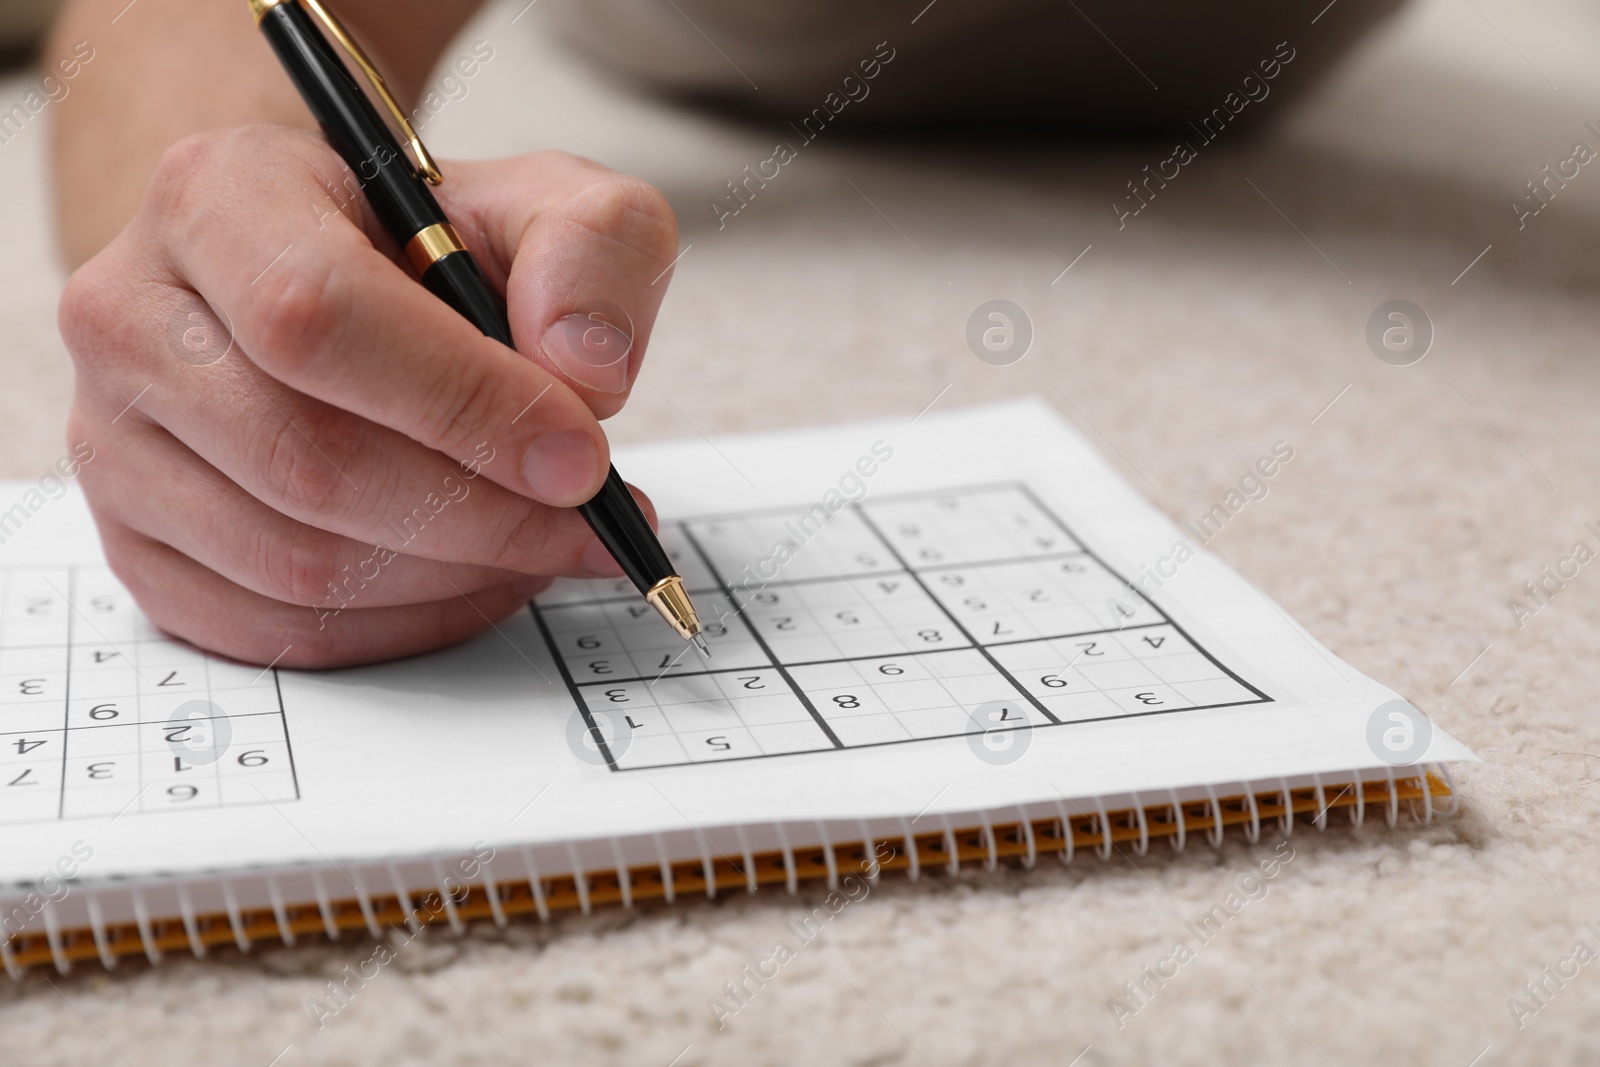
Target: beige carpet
(1229, 314)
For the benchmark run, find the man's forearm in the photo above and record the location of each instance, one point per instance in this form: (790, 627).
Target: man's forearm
(169, 68)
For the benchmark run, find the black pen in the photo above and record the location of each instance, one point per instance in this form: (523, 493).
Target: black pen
(397, 187)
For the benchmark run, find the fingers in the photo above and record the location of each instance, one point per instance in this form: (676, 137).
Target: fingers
(191, 602)
(302, 458)
(318, 308)
(330, 406)
(188, 505)
(331, 470)
(584, 255)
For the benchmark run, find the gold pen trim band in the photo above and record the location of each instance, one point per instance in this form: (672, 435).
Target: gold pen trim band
(433, 244)
(259, 8)
(668, 597)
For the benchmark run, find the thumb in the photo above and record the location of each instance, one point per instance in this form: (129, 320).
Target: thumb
(583, 255)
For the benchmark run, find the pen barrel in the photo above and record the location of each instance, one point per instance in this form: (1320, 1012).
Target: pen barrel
(619, 523)
(350, 122)
(458, 281)
(613, 514)
(406, 208)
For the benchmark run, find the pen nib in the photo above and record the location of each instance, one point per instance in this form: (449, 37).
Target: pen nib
(668, 597)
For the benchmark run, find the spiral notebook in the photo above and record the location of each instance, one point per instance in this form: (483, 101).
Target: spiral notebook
(960, 639)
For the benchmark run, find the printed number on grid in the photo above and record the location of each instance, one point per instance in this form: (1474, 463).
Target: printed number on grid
(102, 715)
(890, 620)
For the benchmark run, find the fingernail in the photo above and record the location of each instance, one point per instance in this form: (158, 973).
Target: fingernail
(562, 468)
(590, 351)
(598, 562)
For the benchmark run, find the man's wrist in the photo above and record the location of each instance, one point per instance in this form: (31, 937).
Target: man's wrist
(165, 69)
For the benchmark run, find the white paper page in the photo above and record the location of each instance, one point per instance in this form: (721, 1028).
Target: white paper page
(945, 578)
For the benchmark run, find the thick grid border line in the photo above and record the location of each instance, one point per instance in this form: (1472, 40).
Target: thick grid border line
(914, 573)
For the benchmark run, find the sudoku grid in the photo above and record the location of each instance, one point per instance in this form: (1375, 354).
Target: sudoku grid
(899, 619)
(101, 715)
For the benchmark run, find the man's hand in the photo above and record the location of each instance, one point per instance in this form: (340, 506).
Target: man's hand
(301, 455)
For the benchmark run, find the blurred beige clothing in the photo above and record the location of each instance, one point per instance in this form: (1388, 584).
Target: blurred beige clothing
(1104, 66)
(1088, 65)
(24, 22)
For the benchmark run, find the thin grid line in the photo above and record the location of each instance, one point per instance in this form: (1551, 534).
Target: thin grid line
(781, 668)
(960, 628)
(1044, 639)
(66, 710)
(576, 689)
(74, 612)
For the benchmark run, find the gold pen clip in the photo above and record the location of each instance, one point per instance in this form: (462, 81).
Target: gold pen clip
(425, 164)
